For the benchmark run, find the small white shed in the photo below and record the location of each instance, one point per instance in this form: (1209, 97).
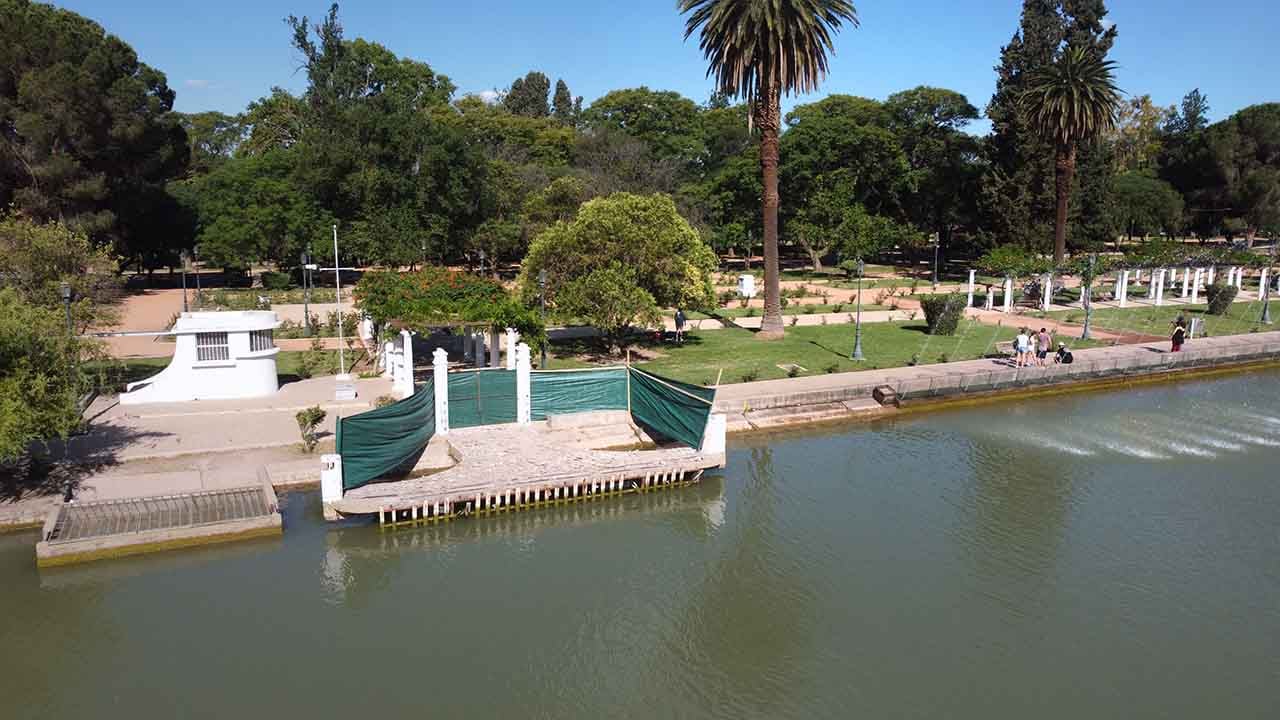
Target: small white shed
(218, 356)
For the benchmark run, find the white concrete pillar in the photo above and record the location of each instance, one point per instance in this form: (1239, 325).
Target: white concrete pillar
(524, 396)
(1240, 278)
(479, 352)
(1213, 269)
(404, 383)
(1158, 287)
(1122, 289)
(495, 351)
(989, 303)
(440, 379)
(1173, 276)
(1047, 291)
(330, 478)
(388, 349)
(1186, 279)
(1262, 283)
(513, 337)
(972, 278)
(1008, 294)
(1195, 286)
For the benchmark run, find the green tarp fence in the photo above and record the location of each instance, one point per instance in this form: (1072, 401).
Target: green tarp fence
(669, 408)
(482, 397)
(374, 443)
(562, 392)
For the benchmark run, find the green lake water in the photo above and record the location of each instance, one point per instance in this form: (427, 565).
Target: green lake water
(1086, 556)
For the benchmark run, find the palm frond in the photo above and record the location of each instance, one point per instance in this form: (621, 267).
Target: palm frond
(1073, 99)
(751, 45)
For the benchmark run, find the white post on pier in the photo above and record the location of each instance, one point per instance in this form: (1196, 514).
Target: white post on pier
(404, 381)
(513, 337)
(330, 478)
(1122, 289)
(1046, 292)
(524, 385)
(1195, 286)
(1008, 294)
(1159, 287)
(440, 379)
(972, 278)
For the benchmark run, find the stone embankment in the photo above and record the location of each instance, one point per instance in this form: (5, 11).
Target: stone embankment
(775, 403)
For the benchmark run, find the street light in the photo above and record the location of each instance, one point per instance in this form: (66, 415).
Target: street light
(66, 300)
(542, 292)
(184, 258)
(857, 325)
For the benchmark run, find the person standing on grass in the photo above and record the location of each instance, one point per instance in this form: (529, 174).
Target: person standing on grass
(680, 325)
(1043, 343)
(1021, 347)
(1179, 334)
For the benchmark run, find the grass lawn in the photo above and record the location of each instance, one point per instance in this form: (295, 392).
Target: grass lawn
(739, 312)
(1241, 318)
(818, 349)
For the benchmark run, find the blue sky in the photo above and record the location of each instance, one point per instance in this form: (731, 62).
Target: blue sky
(222, 55)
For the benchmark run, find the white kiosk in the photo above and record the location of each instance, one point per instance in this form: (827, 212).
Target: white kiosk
(218, 356)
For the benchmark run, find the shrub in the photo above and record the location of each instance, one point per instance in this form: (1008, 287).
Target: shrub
(943, 312)
(807, 309)
(1220, 296)
(751, 375)
(383, 401)
(943, 358)
(275, 280)
(915, 359)
(793, 371)
(308, 421)
(832, 368)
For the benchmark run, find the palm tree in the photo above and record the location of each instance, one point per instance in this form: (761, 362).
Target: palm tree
(1069, 102)
(758, 50)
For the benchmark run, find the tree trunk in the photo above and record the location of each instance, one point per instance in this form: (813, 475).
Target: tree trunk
(1064, 171)
(768, 114)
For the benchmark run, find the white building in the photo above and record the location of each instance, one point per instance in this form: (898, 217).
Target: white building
(218, 356)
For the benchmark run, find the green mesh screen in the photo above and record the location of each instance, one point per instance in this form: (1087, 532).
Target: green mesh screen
(482, 397)
(559, 393)
(670, 409)
(374, 443)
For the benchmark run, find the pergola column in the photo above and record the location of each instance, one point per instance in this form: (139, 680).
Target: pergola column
(1008, 294)
(512, 338)
(1186, 277)
(1047, 293)
(478, 353)
(1262, 283)
(1195, 286)
(1122, 288)
(403, 381)
(495, 351)
(972, 278)
(524, 385)
(1159, 287)
(1212, 271)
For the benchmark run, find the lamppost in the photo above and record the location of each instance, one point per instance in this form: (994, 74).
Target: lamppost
(184, 258)
(542, 292)
(196, 267)
(66, 300)
(306, 291)
(857, 325)
(937, 243)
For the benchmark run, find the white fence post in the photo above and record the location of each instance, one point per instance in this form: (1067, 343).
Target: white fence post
(330, 478)
(440, 379)
(513, 337)
(404, 381)
(524, 397)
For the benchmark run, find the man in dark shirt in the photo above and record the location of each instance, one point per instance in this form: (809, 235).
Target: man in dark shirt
(1064, 356)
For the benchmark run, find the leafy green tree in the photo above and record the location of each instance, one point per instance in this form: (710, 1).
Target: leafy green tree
(86, 132)
(37, 259)
(1244, 152)
(528, 95)
(557, 202)
(41, 378)
(611, 300)
(213, 138)
(1146, 205)
(514, 138)
(758, 50)
(665, 121)
(863, 235)
(274, 122)
(1138, 138)
(643, 233)
(612, 161)
(1069, 102)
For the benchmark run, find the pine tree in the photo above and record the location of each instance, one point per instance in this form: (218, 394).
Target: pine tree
(1017, 195)
(562, 104)
(528, 95)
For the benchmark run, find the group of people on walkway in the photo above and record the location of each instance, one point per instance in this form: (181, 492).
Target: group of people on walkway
(1031, 349)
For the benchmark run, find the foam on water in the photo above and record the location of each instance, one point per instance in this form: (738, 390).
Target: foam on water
(1036, 439)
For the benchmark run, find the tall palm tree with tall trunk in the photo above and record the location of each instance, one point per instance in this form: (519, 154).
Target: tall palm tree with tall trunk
(1069, 102)
(759, 50)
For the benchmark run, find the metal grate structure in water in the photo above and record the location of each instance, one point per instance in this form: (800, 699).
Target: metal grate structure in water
(90, 530)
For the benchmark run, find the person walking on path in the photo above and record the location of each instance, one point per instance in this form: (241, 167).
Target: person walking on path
(680, 318)
(1043, 342)
(1179, 334)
